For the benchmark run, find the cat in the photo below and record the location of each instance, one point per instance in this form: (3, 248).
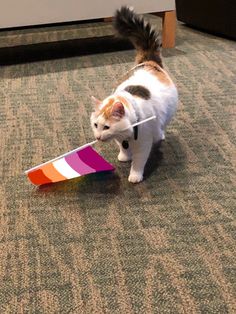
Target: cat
(148, 90)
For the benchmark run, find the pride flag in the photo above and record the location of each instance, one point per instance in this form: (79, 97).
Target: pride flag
(71, 165)
(76, 163)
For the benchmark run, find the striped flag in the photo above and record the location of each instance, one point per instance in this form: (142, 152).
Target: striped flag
(75, 164)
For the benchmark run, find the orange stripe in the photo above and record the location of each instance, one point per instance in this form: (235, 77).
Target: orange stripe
(38, 177)
(50, 171)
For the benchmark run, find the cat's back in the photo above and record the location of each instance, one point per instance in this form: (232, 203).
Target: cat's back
(154, 92)
(152, 77)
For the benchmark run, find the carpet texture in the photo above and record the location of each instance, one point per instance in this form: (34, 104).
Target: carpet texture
(99, 244)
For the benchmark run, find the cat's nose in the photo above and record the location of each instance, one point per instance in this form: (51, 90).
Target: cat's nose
(98, 138)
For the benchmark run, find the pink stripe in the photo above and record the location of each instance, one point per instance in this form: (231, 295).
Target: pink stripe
(78, 165)
(94, 160)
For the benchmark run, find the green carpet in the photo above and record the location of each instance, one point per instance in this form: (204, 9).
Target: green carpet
(100, 244)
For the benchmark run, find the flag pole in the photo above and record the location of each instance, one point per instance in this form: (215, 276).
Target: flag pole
(61, 156)
(140, 122)
(84, 146)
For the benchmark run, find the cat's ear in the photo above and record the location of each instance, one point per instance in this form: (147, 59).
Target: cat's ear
(118, 110)
(96, 102)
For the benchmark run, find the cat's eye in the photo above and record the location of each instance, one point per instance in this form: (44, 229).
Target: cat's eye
(106, 127)
(95, 124)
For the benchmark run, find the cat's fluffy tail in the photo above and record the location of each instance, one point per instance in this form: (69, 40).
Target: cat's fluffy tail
(146, 41)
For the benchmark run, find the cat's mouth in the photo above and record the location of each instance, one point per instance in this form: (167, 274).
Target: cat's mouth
(117, 136)
(106, 139)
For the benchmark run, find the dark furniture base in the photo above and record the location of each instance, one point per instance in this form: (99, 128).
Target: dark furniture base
(215, 16)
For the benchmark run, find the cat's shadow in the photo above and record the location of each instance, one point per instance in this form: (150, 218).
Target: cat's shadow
(168, 153)
(154, 160)
(97, 183)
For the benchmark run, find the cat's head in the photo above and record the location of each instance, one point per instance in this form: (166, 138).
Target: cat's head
(110, 118)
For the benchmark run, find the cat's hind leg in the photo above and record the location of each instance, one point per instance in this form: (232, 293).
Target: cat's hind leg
(159, 135)
(140, 157)
(163, 137)
(124, 154)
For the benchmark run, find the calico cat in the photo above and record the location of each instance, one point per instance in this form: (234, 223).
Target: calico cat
(148, 90)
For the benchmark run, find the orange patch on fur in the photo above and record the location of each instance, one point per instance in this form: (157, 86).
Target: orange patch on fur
(123, 101)
(106, 110)
(157, 71)
(144, 56)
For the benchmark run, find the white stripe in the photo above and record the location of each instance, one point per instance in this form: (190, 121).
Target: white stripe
(63, 168)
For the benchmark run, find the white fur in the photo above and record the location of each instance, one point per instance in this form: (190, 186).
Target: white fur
(162, 103)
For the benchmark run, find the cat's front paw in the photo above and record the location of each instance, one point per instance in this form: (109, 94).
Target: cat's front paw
(124, 157)
(135, 177)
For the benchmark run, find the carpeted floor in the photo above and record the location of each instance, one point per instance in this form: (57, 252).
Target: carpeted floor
(100, 244)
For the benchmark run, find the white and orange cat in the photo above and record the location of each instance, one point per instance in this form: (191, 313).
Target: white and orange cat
(148, 90)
